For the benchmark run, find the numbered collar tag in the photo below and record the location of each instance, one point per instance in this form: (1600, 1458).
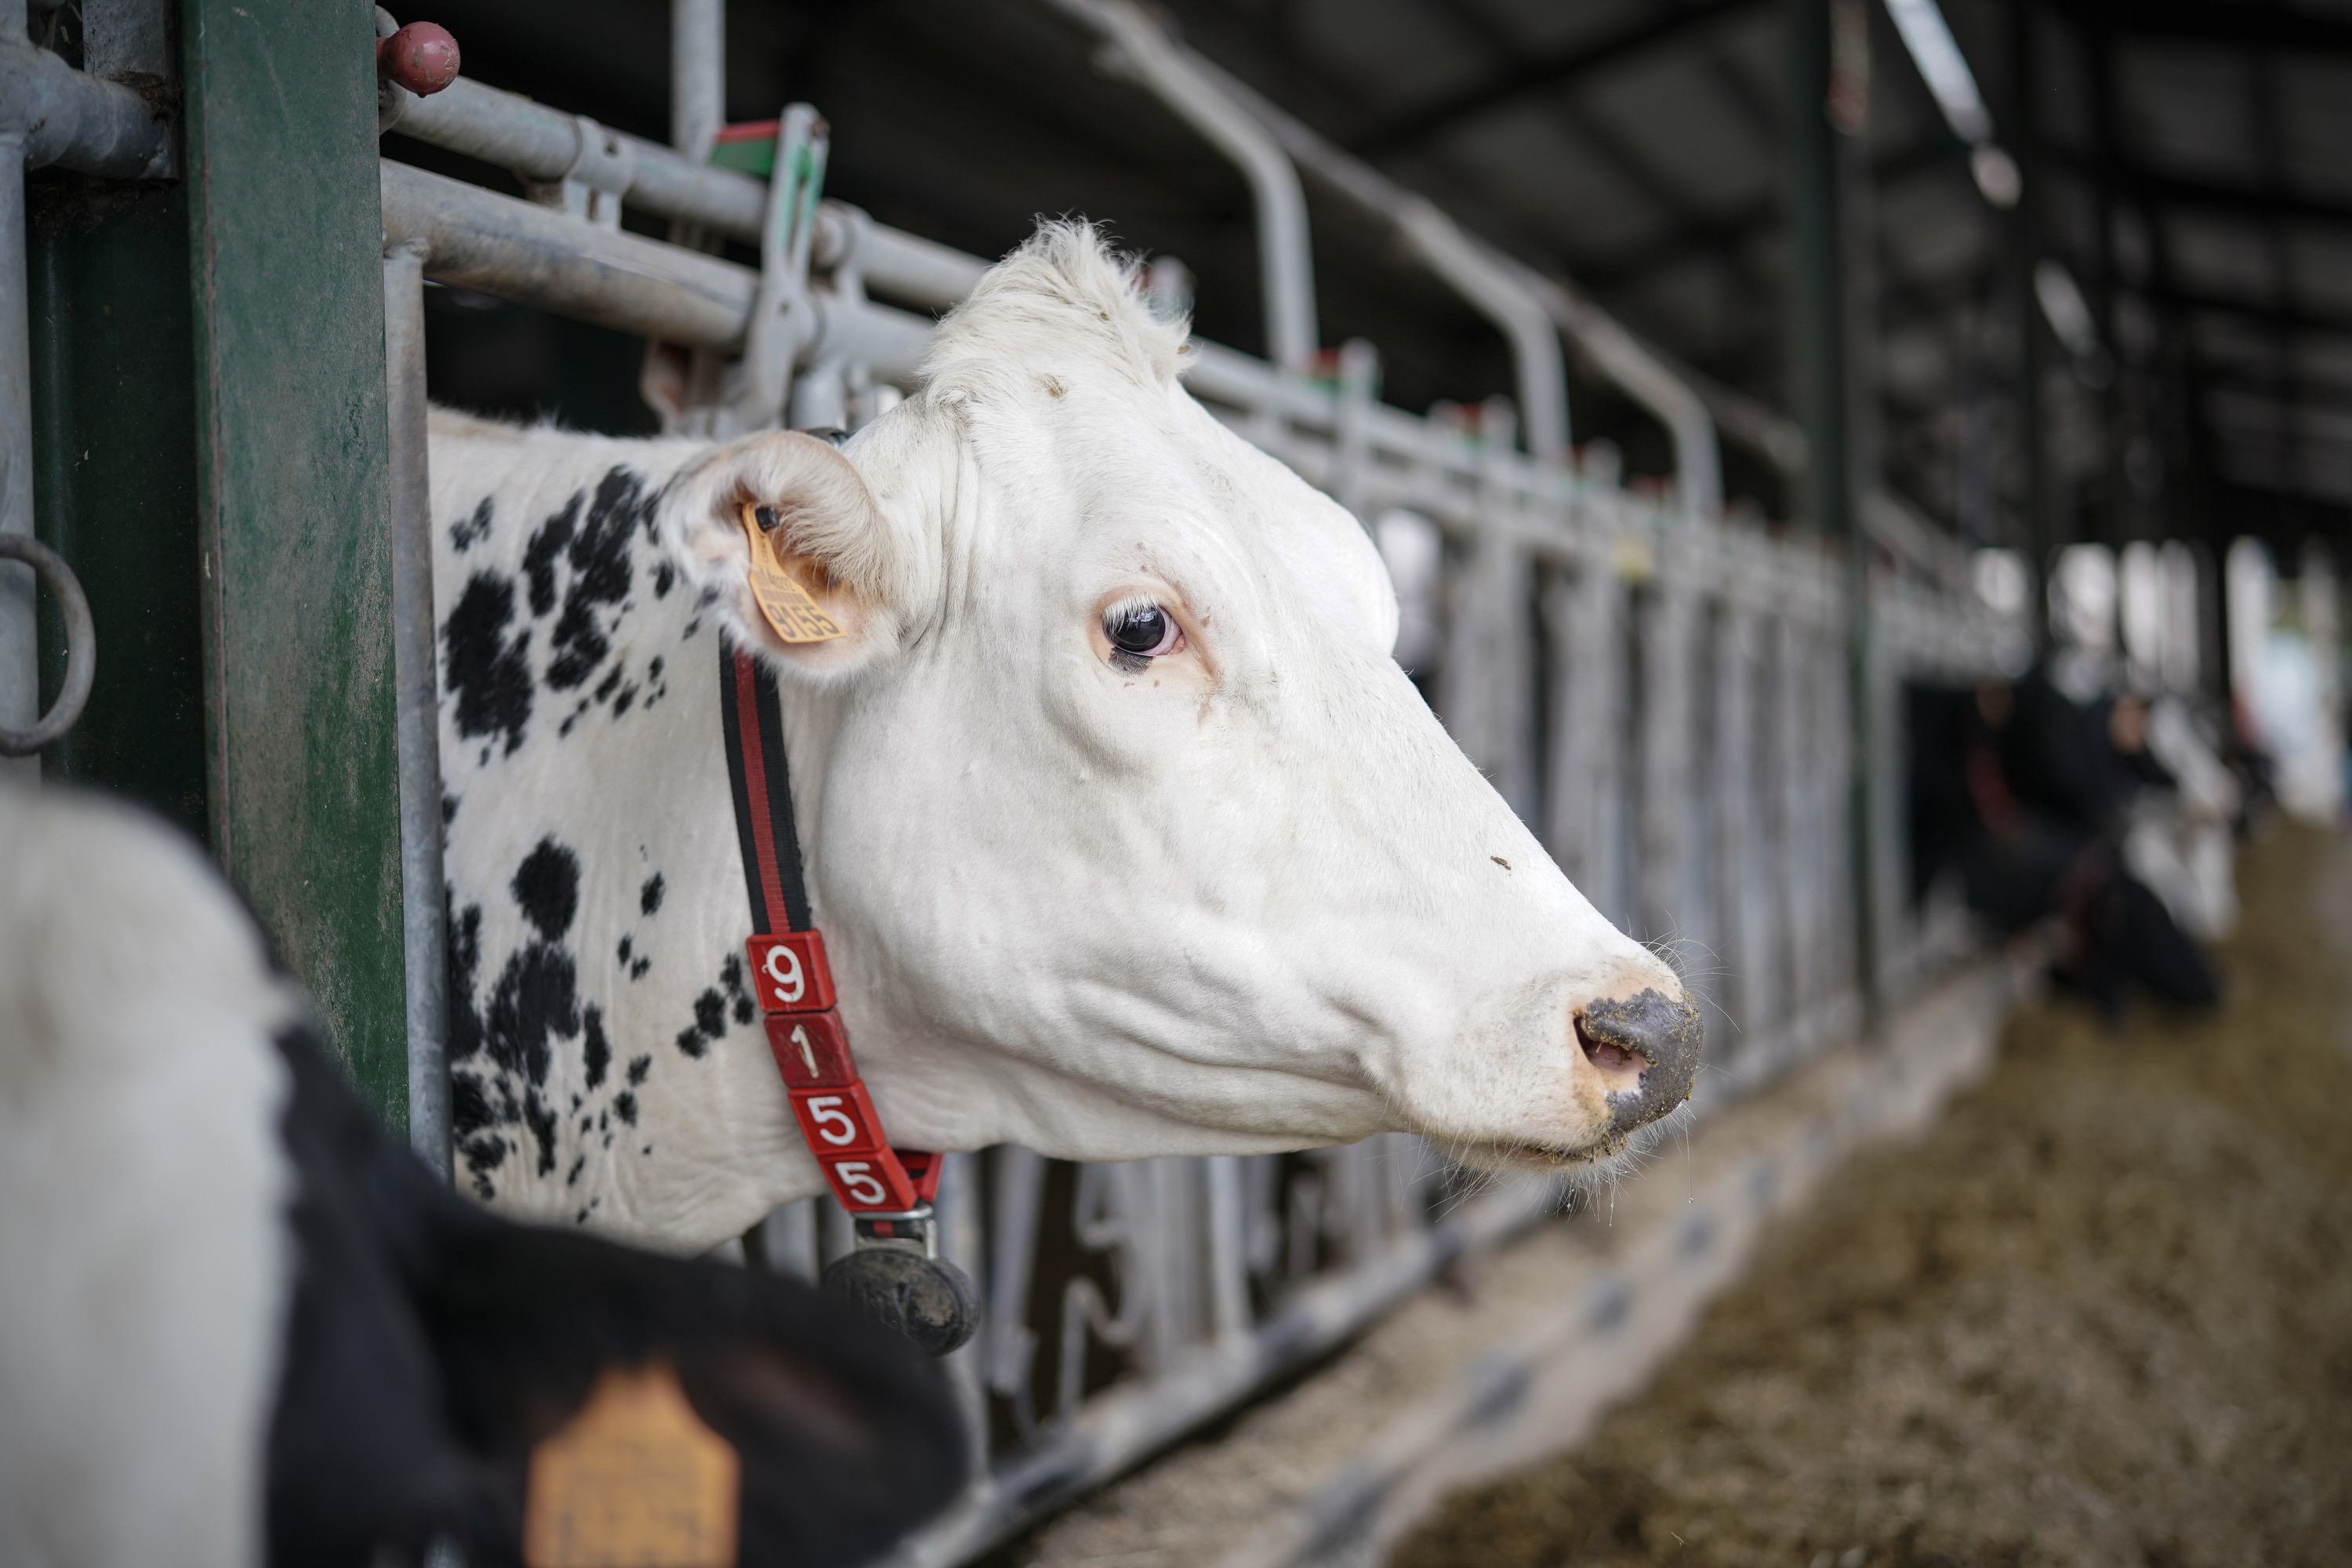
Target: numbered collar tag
(900, 1282)
(791, 611)
(635, 1477)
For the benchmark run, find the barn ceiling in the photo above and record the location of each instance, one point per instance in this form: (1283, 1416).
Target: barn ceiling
(2188, 162)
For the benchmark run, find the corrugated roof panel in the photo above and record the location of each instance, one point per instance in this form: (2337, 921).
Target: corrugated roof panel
(1933, 226)
(2315, 122)
(2319, 267)
(2224, 257)
(2323, 357)
(1396, 53)
(1692, 306)
(1527, 158)
(1550, 27)
(1663, 106)
(2189, 108)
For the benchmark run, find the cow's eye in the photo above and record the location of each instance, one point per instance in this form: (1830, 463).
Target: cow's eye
(1141, 631)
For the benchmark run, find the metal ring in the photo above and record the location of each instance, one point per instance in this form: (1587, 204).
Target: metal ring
(81, 646)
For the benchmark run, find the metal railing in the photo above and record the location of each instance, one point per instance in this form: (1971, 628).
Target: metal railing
(1661, 694)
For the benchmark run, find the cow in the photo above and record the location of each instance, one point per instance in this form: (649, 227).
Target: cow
(1126, 834)
(237, 1324)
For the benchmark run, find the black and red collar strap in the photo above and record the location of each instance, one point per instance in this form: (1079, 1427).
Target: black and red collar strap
(789, 972)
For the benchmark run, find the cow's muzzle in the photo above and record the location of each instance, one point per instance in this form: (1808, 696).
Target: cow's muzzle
(1647, 1048)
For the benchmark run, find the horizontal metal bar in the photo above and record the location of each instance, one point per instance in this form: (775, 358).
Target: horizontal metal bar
(544, 257)
(544, 145)
(80, 121)
(1114, 1430)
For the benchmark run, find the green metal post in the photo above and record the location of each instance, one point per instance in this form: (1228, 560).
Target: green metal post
(1820, 156)
(284, 236)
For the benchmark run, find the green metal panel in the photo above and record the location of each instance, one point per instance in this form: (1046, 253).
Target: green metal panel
(285, 241)
(115, 478)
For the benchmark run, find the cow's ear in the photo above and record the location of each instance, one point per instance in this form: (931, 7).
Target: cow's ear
(848, 1440)
(842, 582)
(844, 1437)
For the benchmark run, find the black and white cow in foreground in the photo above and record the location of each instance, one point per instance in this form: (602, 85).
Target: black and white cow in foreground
(238, 1324)
(1126, 834)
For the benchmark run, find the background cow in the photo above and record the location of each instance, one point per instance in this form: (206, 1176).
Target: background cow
(233, 1314)
(1128, 836)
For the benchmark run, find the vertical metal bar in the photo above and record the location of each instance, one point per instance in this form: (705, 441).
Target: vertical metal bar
(1582, 614)
(1485, 684)
(286, 224)
(1734, 780)
(1351, 455)
(698, 74)
(20, 686)
(1229, 1313)
(416, 710)
(1666, 720)
(1286, 259)
(1019, 1202)
(963, 1242)
(1819, 167)
(2024, 246)
(790, 1237)
(836, 1233)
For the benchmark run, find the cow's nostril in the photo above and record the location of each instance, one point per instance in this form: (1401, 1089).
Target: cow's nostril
(1620, 1066)
(1645, 1049)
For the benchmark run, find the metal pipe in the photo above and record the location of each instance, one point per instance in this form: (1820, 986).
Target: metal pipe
(544, 257)
(1502, 295)
(541, 145)
(1470, 266)
(67, 118)
(20, 648)
(1113, 1431)
(1496, 288)
(1174, 75)
(1643, 377)
(892, 262)
(518, 250)
(416, 710)
(81, 647)
(698, 75)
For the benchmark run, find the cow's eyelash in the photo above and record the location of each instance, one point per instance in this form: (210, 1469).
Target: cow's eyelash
(1139, 631)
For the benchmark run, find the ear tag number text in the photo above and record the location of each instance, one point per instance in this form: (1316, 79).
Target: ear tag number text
(791, 611)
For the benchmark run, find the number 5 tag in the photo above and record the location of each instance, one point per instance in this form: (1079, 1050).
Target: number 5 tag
(838, 1121)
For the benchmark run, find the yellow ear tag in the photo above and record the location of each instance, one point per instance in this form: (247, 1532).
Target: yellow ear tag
(633, 1479)
(792, 614)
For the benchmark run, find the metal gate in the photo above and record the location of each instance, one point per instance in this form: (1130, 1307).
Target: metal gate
(1669, 699)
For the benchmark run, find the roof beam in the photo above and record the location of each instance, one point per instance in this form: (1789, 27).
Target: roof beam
(1650, 28)
(2270, 199)
(2276, 317)
(2201, 21)
(1735, 225)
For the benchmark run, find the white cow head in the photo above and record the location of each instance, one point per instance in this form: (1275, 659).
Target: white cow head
(1128, 834)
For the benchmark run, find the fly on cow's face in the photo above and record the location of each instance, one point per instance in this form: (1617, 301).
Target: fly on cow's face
(1140, 632)
(766, 518)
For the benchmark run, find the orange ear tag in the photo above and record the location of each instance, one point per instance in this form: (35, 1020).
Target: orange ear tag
(792, 614)
(633, 1479)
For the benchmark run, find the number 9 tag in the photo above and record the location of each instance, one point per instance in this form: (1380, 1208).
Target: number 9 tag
(790, 973)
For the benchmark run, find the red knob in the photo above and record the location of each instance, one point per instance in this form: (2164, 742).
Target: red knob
(421, 57)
